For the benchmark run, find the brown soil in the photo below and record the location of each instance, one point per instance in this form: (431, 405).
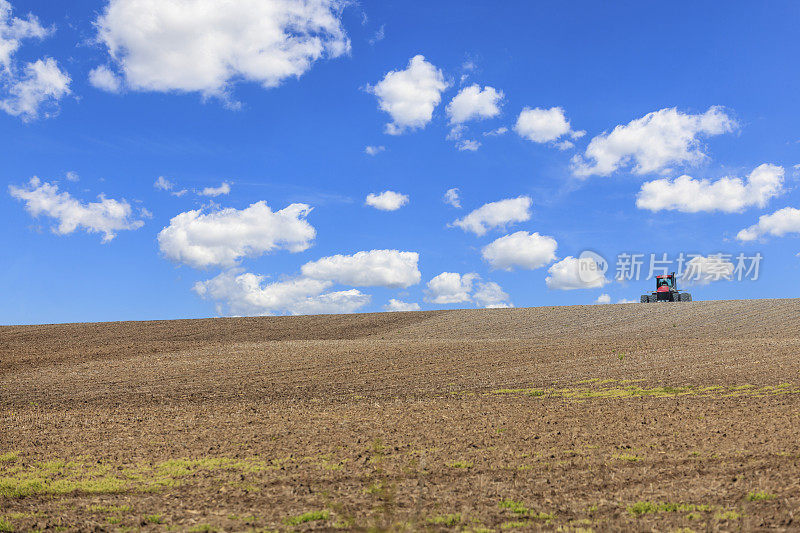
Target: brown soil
(623, 417)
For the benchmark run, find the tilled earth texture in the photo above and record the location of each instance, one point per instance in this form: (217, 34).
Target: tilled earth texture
(661, 417)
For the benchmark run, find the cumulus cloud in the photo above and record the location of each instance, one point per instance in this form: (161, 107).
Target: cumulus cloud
(213, 43)
(24, 91)
(104, 79)
(222, 238)
(474, 103)
(703, 270)
(224, 188)
(387, 200)
(397, 305)
(502, 130)
(452, 198)
(410, 95)
(652, 142)
(244, 293)
(374, 150)
(575, 273)
(496, 215)
(72, 176)
(450, 288)
(603, 299)
(374, 268)
(545, 125)
(777, 224)
(163, 184)
(491, 296)
(43, 83)
(727, 194)
(106, 216)
(520, 249)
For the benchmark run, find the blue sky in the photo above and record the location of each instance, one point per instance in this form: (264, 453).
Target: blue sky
(692, 89)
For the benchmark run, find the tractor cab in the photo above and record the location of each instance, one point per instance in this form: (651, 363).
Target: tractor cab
(666, 291)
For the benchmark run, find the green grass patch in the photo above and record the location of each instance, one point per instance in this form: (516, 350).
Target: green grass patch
(153, 519)
(760, 496)
(446, 520)
(310, 516)
(9, 457)
(5, 526)
(202, 528)
(727, 515)
(513, 525)
(642, 508)
(461, 464)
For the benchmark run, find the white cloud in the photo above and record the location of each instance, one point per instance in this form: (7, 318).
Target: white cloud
(163, 184)
(210, 44)
(496, 215)
(410, 95)
(452, 198)
(387, 200)
(106, 216)
(777, 224)
(225, 188)
(43, 83)
(72, 176)
(703, 270)
(603, 299)
(474, 103)
(545, 125)
(491, 296)
(502, 130)
(374, 150)
(104, 79)
(728, 194)
(652, 142)
(520, 249)
(627, 301)
(468, 145)
(374, 268)
(250, 294)
(379, 35)
(450, 288)
(224, 237)
(397, 305)
(12, 31)
(571, 273)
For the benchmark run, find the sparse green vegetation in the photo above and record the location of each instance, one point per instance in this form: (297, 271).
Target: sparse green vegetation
(759, 496)
(8, 457)
(5, 526)
(461, 464)
(310, 516)
(446, 520)
(202, 528)
(640, 508)
(512, 525)
(628, 457)
(727, 515)
(153, 519)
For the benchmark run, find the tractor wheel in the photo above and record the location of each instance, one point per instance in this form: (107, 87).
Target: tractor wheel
(686, 297)
(645, 299)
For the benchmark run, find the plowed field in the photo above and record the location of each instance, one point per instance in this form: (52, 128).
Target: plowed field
(617, 417)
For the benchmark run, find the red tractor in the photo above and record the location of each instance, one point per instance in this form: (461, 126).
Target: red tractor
(666, 291)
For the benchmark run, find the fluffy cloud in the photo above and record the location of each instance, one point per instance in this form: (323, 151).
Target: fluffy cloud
(397, 305)
(545, 125)
(703, 270)
(225, 188)
(450, 288)
(496, 215)
(42, 83)
(452, 198)
(104, 79)
(725, 194)
(213, 43)
(374, 150)
(520, 249)
(603, 299)
(387, 200)
(250, 294)
(410, 95)
(106, 216)
(163, 184)
(474, 103)
(491, 296)
(574, 273)
(778, 224)
(375, 268)
(652, 142)
(222, 238)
